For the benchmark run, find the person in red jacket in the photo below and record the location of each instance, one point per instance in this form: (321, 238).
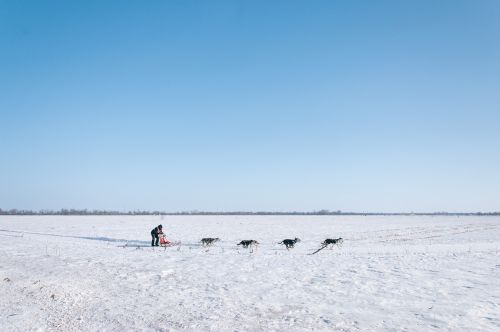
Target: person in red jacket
(155, 232)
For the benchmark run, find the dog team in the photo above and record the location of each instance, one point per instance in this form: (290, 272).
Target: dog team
(157, 232)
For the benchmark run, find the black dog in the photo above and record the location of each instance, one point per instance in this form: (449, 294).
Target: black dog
(208, 241)
(333, 242)
(289, 243)
(248, 243)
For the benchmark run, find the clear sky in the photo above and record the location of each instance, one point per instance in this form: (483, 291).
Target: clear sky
(250, 105)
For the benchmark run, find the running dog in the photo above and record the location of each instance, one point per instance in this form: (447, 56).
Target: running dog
(209, 241)
(289, 243)
(248, 243)
(333, 242)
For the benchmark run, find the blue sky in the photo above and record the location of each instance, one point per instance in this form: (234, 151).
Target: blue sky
(250, 105)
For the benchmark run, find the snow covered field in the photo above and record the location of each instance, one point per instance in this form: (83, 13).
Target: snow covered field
(392, 274)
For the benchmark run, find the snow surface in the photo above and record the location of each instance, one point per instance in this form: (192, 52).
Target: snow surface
(392, 274)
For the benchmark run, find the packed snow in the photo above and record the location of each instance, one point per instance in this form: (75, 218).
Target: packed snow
(392, 273)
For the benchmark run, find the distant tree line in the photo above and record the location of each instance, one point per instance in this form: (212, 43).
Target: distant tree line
(86, 212)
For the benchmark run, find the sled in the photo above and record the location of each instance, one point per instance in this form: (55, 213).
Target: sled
(163, 240)
(166, 243)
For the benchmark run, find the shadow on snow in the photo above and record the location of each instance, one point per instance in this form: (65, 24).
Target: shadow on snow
(94, 238)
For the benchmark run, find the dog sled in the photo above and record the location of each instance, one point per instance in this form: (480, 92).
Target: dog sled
(164, 242)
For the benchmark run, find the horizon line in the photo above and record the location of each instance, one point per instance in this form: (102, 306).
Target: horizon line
(321, 212)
